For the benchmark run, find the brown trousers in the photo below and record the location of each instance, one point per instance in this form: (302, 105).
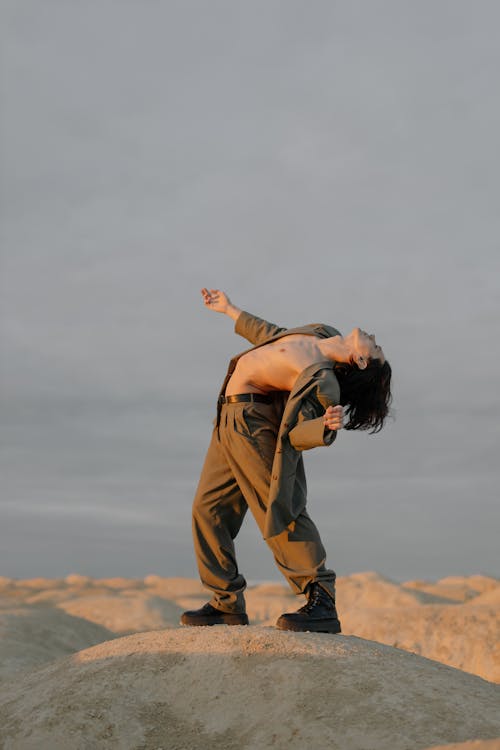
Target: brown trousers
(236, 476)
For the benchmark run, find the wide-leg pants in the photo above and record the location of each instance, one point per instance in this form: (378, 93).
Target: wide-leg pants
(236, 476)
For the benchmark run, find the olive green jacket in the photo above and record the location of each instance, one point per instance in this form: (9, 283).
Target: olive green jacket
(302, 426)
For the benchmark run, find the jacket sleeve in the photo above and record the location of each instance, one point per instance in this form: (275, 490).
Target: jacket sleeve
(310, 433)
(255, 329)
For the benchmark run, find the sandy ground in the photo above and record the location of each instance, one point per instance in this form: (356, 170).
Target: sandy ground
(245, 689)
(300, 689)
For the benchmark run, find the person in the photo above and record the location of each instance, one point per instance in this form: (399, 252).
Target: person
(290, 392)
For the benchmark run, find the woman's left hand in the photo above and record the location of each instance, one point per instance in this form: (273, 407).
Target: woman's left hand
(333, 418)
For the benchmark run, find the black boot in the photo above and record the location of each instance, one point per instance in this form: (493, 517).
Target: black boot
(318, 615)
(208, 615)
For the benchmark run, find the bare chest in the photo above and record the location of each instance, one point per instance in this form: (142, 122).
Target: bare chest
(275, 366)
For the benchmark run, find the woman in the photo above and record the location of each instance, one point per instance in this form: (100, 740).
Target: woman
(288, 393)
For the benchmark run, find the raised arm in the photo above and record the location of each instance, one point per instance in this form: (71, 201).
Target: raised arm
(254, 329)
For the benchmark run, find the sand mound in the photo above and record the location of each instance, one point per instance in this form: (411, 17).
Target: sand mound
(465, 637)
(75, 579)
(463, 634)
(129, 613)
(373, 590)
(171, 588)
(31, 636)
(476, 582)
(490, 597)
(245, 689)
(270, 588)
(264, 609)
(39, 583)
(456, 588)
(473, 745)
(118, 582)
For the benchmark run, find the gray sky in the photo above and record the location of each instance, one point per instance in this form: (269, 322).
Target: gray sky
(321, 161)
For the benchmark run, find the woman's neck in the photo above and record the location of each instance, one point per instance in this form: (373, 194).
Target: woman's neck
(335, 348)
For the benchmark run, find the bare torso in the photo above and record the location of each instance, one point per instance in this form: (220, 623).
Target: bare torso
(275, 366)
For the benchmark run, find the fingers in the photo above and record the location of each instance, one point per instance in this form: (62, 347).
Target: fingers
(333, 417)
(334, 411)
(210, 296)
(215, 299)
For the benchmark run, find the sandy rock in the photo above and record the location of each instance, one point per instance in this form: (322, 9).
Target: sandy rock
(465, 637)
(173, 588)
(487, 598)
(11, 597)
(245, 689)
(449, 594)
(6, 583)
(456, 588)
(362, 590)
(265, 609)
(472, 745)
(75, 579)
(120, 583)
(126, 613)
(39, 583)
(32, 636)
(78, 592)
(477, 582)
(270, 588)
(50, 596)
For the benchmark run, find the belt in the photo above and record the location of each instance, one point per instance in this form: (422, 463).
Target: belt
(258, 397)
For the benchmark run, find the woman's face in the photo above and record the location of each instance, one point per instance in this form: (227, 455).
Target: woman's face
(364, 345)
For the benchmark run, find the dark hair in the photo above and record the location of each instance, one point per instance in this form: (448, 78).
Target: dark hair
(366, 394)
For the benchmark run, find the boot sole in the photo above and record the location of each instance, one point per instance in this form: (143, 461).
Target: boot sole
(225, 618)
(320, 626)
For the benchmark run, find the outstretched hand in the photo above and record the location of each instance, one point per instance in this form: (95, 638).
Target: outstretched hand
(217, 300)
(333, 418)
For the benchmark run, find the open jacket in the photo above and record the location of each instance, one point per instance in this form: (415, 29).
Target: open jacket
(302, 426)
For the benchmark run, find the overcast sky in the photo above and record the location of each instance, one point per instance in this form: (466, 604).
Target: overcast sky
(321, 161)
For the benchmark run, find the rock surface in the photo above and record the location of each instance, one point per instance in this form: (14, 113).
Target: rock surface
(32, 636)
(466, 637)
(237, 688)
(455, 620)
(472, 745)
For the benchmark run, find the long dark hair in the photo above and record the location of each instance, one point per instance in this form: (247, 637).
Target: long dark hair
(366, 394)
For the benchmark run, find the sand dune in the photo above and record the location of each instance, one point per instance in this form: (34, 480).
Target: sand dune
(490, 597)
(463, 632)
(464, 637)
(473, 745)
(129, 613)
(187, 689)
(245, 689)
(31, 636)
(370, 589)
(455, 588)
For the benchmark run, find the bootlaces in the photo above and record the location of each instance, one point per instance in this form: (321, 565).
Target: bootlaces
(314, 600)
